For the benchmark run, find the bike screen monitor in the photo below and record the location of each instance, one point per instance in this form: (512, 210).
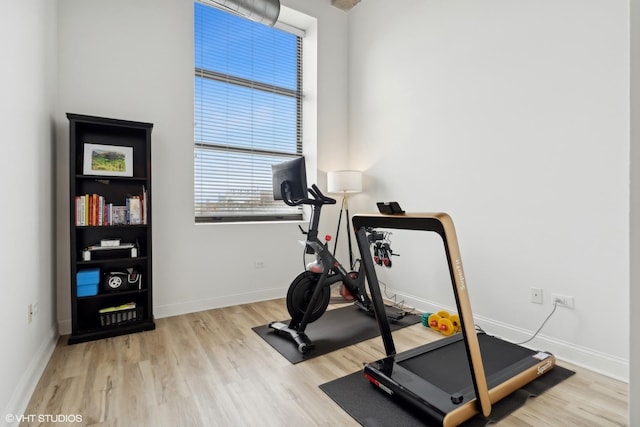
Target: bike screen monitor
(290, 180)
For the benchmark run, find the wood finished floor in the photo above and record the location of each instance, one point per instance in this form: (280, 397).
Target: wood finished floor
(210, 369)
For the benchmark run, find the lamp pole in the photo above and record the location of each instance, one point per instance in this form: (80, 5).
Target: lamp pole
(344, 207)
(345, 181)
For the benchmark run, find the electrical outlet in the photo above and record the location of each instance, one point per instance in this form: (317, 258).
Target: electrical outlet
(30, 312)
(536, 295)
(258, 264)
(562, 300)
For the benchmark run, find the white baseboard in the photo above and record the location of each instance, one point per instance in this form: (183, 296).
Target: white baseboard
(167, 310)
(64, 327)
(29, 380)
(605, 364)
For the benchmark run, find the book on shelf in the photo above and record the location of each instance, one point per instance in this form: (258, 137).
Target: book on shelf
(135, 210)
(144, 204)
(85, 212)
(79, 210)
(118, 215)
(95, 210)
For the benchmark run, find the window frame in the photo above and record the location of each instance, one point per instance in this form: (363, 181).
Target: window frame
(284, 213)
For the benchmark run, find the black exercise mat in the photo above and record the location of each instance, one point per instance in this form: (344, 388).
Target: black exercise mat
(337, 328)
(373, 408)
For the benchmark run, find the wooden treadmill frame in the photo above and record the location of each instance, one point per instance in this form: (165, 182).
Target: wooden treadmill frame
(379, 373)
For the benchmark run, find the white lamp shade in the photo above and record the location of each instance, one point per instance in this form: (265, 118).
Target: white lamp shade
(346, 181)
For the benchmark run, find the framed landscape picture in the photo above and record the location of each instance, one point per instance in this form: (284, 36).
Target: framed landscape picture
(111, 160)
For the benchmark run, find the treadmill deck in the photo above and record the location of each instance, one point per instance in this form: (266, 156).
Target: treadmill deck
(440, 371)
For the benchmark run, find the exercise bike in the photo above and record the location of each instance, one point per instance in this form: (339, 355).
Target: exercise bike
(309, 293)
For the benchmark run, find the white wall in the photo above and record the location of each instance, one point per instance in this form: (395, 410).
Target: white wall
(634, 292)
(118, 59)
(27, 85)
(513, 117)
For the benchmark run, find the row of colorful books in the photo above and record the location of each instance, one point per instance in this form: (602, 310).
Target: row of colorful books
(94, 210)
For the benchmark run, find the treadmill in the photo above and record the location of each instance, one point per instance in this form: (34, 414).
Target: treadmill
(454, 378)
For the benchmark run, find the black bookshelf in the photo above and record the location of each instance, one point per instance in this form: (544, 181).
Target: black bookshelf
(96, 191)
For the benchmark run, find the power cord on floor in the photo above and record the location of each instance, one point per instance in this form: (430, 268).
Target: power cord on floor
(555, 305)
(400, 305)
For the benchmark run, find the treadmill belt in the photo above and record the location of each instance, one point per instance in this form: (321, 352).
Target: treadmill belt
(448, 367)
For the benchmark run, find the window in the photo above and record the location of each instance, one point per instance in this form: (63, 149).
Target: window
(248, 115)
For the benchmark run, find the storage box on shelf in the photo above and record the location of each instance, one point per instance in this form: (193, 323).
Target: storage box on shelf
(87, 282)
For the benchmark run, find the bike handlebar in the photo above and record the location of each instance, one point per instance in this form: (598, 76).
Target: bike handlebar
(318, 198)
(317, 194)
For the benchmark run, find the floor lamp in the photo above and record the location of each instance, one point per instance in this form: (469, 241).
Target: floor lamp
(345, 182)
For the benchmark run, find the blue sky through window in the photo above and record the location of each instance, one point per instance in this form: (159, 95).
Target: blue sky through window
(252, 51)
(244, 117)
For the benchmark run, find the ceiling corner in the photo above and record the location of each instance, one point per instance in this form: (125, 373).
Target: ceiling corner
(345, 5)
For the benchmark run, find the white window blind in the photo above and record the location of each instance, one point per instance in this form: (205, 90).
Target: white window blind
(248, 115)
